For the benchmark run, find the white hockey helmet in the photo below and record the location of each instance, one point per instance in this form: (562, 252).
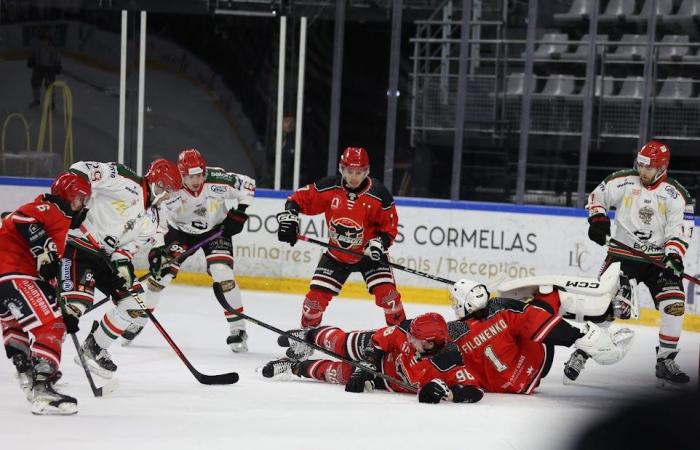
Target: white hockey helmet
(468, 296)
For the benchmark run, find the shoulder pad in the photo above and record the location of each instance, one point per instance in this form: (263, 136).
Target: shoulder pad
(620, 174)
(499, 304)
(447, 358)
(381, 193)
(325, 184)
(216, 176)
(681, 190)
(457, 329)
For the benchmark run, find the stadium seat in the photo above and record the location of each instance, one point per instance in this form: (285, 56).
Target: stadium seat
(673, 52)
(579, 12)
(676, 88)
(581, 52)
(663, 10)
(617, 11)
(632, 88)
(632, 47)
(604, 86)
(515, 83)
(552, 46)
(558, 85)
(686, 18)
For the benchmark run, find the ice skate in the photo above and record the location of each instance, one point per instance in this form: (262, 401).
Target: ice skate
(668, 374)
(98, 360)
(281, 368)
(47, 401)
(297, 350)
(237, 341)
(130, 334)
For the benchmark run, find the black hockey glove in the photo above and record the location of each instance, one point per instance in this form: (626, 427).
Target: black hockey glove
(71, 317)
(599, 228)
(466, 394)
(360, 381)
(374, 250)
(288, 226)
(47, 263)
(78, 218)
(674, 263)
(434, 391)
(124, 269)
(162, 259)
(233, 223)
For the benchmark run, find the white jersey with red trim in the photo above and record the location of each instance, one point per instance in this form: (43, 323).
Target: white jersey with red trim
(118, 219)
(656, 219)
(197, 213)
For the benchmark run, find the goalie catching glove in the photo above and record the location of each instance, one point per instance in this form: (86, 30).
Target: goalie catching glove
(603, 347)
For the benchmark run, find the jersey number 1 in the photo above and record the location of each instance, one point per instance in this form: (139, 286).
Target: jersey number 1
(497, 363)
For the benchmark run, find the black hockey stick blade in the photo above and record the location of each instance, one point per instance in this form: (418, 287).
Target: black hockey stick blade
(219, 294)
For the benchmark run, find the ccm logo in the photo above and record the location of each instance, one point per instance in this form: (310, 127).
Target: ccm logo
(583, 284)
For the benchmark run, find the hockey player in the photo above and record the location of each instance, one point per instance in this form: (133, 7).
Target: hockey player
(195, 213)
(655, 215)
(417, 351)
(508, 344)
(361, 216)
(98, 254)
(33, 239)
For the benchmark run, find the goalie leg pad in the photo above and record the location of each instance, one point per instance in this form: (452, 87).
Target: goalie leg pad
(603, 347)
(580, 305)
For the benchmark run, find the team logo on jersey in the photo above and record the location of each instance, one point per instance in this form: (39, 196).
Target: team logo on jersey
(14, 309)
(345, 232)
(129, 225)
(646, 214)
(120, 206)
(335, 203)
(201, 211)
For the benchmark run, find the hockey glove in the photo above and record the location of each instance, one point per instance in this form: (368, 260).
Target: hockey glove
(360, 381)
(125, 270)
(233, 223)
(47, 263)
(674, 263)
(466, 394)
(434, 391)
(599, 228)
(161, 260)
(288, 226)
(78, 218)
(71, 318)
(374, 250)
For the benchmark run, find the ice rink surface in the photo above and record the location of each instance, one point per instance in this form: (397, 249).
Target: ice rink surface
(159, 404)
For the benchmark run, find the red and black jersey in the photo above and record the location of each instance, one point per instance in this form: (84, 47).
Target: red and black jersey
(505, 349)
(45, 217)
(401, 361)
(353, 217)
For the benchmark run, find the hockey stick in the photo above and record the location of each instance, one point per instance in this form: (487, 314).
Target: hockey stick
(179, 258)
(111, 386)
(301, 237)
(649, 259)
(224, 378)
(219, 294)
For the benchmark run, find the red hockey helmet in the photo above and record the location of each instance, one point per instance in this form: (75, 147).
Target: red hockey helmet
(654, 155)
(164, 174)
(430, 327)
(191, 162)
(69, 186)
(354, 159)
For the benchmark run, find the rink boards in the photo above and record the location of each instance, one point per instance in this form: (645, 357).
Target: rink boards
(451, 239)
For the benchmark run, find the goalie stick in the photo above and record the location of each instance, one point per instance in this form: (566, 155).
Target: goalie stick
(301, 237)
(219, 294)
(180, 258)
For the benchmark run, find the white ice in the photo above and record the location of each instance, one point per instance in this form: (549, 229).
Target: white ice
(159, 405)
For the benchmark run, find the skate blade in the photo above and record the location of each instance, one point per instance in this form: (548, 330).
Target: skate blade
(44, 408)
(567, 381)
(239, 348)
(110, 386)
(667, 385)
(94, 368)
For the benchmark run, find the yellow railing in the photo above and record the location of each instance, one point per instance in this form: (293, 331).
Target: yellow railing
(4, 130)
(47, 122)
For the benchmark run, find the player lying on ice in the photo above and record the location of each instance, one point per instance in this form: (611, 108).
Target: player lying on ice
(507, 341)
(418, 352)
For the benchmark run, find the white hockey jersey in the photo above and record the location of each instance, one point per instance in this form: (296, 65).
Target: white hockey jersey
(118, 220)
(656, 220)
(200, 212)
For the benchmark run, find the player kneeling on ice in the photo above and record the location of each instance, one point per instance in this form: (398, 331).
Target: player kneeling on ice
(417, 352)
(33, 239)
(508, 343)
(197, 212)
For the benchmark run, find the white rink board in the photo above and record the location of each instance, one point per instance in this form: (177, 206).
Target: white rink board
(446, 238)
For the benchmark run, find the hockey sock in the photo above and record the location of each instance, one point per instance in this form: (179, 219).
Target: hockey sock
(388, 298)
(14, 338)
(335, 372)
(672, 311)
(315, 304)
(48, 339)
